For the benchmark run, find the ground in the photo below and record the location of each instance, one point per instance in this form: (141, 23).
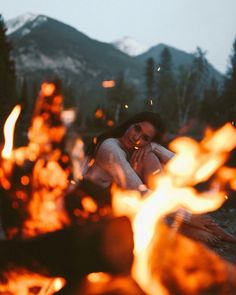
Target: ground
(226, 217)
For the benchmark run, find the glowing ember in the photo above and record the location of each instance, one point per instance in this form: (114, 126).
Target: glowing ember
(89, 205)
(25, 180)
(95, 140)
(91, 162)
(48, 89)
(108, 83)
(194, 162)
(99, 114)
(110, 123)
(24, 283)
(100, 277)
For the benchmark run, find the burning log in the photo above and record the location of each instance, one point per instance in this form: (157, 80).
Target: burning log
(72, 252)
(184, 266)
(103, 284)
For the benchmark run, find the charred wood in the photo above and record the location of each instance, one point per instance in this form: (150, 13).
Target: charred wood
(104, 246)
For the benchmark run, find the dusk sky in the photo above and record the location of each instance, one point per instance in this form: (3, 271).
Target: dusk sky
(184, 24)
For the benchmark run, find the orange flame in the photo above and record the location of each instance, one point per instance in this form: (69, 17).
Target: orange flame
(44, 188)
(48, 181)
(21, 283)
(9, 131)
(193, 163)
(46, 207)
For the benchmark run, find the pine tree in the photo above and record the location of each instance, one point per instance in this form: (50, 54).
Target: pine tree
(190, 85)
(166, 102)
(7, 78)
(120, 97)
(228, 105)
(208, 107)
(150, 83)
(69, 97)
(23, 122)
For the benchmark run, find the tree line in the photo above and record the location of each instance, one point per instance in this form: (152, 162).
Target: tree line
(183, 95)
(180, 95)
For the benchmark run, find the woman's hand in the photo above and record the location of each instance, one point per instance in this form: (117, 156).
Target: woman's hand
(138, 158)
(140, 153)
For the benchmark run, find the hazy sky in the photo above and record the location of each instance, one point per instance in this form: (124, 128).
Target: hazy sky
(184, 24)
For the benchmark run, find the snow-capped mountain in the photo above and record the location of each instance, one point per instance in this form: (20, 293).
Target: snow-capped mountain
(44, 49)
(130, 46)
(41, 43)
(27, 20)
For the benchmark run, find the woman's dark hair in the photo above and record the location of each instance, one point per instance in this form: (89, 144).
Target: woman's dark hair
(118, 131)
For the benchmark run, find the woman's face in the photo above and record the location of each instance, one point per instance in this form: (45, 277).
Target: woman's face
(138, 135)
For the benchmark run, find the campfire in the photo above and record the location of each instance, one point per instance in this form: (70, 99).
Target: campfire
(60, 240)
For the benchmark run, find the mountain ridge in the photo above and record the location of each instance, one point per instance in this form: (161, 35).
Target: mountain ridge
(45, 48)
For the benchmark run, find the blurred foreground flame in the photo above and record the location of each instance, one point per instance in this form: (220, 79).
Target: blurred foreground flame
(42, 166)
(194, 162)
(35, 178)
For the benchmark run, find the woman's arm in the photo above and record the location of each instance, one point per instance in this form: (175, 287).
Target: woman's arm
(112, 159)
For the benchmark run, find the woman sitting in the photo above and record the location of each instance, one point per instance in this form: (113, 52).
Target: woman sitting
(129, 154)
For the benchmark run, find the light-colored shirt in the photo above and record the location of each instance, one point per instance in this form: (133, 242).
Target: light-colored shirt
(111, 166)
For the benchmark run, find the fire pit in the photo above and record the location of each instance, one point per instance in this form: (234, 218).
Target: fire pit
(66, 241)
